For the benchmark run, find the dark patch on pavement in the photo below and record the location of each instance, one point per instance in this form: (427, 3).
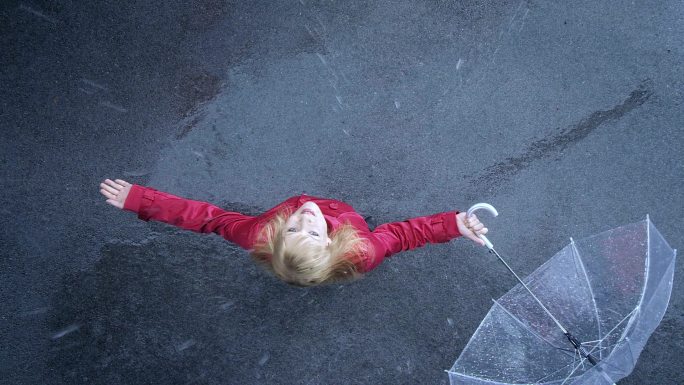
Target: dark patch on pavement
(150, 310)
(188, 126)
(194, 86)
(502, 171)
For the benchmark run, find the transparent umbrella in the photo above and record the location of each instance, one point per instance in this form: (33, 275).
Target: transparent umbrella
(581, 318)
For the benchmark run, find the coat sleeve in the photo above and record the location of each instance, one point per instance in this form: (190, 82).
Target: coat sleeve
(391, 238)
(201, 217)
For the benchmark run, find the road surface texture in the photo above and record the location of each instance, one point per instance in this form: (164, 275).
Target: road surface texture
(566, 116)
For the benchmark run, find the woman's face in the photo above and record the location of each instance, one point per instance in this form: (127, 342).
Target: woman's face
(307, 222)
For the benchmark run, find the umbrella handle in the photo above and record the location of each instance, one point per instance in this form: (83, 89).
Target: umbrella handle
(483, 206)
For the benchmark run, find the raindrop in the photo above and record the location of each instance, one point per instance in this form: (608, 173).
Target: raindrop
(65, 331)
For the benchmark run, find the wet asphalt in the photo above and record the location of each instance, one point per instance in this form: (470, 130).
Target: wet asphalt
(566, 116)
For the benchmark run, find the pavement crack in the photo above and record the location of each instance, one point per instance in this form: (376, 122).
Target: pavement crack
(494, 175)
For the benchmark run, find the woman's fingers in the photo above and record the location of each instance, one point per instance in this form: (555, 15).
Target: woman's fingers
(479, 228)
(107, 194)
(109, 188)
(115, 191)
(116, 185)
(112, 199)
(122, 182)
(471, 227)
(475, 239)
(476, 226)
(110, 183)
(479, 231)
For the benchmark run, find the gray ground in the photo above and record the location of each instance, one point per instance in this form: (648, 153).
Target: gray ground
(567, 117)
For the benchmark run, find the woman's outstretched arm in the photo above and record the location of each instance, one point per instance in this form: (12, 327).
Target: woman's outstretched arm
(392, 238)
(198, 216)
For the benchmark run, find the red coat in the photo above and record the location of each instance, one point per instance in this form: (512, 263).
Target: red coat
(202, 217)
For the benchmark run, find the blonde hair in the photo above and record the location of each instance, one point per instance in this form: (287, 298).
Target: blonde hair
(304, 263)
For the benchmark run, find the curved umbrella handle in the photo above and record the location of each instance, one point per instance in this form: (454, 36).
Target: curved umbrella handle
(483, 206)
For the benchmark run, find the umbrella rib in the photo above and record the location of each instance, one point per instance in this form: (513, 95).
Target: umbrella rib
(604, 362)
(564, 367)
(492, 382)
(647, 270)
(527, 327)
(582, 360)
(574, 360)
(596, 345)
(529, 291)
(575, 369)
(574, 365)
(612, 330)
(591, 290)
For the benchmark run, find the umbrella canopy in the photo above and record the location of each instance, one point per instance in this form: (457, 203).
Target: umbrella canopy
(610, 291)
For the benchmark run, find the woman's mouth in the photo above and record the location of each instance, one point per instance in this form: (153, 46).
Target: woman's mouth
(307, 211)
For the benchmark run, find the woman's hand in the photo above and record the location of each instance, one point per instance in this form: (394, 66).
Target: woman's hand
(470, 227)
(115, 192)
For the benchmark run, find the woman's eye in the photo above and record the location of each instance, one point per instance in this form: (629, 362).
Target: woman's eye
(291, 230)
(315, 234)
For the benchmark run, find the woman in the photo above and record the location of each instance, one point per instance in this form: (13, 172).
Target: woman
(305, 240)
